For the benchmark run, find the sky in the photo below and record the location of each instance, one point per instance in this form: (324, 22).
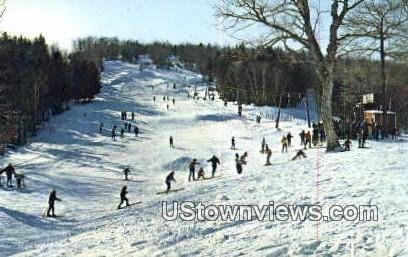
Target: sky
(62, 21)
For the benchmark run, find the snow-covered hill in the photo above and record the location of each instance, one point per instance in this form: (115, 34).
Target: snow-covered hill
(85, 168)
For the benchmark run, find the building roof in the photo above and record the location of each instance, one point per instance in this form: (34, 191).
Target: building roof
(378, 111)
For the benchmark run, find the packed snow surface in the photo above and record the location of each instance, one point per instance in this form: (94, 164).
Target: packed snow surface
(85, 168)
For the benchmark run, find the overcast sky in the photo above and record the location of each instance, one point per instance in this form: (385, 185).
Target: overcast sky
(61, 21)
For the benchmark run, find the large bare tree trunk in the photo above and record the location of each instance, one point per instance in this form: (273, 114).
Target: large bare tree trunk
(326, 114)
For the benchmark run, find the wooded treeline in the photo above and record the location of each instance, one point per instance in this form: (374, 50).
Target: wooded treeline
(37, 81)
(262, 75)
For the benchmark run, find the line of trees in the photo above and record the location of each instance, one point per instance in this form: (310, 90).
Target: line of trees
(37, 81)
(261, 75)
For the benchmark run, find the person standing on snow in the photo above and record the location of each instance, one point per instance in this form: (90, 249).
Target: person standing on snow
(302, 138)
(123, 198)
(122, 132)
(214, 161)
(289, 138)
(233, 143)
(171, 142)
(51, 203)
(191, 167)
(101, 128)
(114, 133)
(168, 180)
(268, 156)
(284, 142)
(136, 130)
(126, 172)
(238, 164)
(9, 170)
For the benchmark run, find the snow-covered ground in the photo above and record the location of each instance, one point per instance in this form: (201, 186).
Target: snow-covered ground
(86, 169)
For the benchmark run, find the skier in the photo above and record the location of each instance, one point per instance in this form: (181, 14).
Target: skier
(302, 138)
(9, 170)
(191, 167)
(308, 140)
(239, 110)
(174, 101)
(225, 102)
(289, 138)
(268, 156)
(171, 141)
(122, 131)
(233, 143)
(169, 178)
(114, 133)
(347, 144)
(133, 116)
(101, 128)
(129, 127)
(200, 174)
(284, 142)
(174, 85)
(263, 145)
(51, 203)
(154, 98)
(164, 98)
(123, 198)
(20, 180)
(214, 161)
(167, 107)
(243, 158)
(394, 133)
(126, 172)
(136, 130)
(299, 154)
(238, 164)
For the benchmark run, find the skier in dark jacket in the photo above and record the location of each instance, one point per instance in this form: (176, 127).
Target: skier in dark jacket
(123, 198)
(214, 161)
(122, 132)
(101, 128)
(302, 138)
(191, 167)
(347, 144)
(238, 164)
(136, 130)
(126, 172)
(51, 203)
(169, 178)
(114, 134)
(171, 142)
(133, 116)
(233, 143)
(9, 170)
(129, 127)
(289, 138)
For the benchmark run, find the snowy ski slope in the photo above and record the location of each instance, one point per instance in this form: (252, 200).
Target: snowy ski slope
(86, 169)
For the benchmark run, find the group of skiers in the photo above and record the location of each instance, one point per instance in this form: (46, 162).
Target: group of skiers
(124, 115)
(10, 171)
(127, 127)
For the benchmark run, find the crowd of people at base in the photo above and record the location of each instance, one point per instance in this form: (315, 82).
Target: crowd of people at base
(364, 130)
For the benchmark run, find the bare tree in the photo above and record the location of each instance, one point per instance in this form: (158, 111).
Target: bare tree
(294, 24)
(379, 28)
(2, 7)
